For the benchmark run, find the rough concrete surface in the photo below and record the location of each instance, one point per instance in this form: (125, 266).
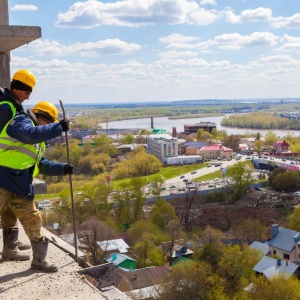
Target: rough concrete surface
(18, 281)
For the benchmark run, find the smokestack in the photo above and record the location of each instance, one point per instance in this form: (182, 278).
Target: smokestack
(152, 125)
(174, 132)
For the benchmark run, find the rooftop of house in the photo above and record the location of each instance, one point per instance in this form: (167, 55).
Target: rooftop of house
(116, 244)
(283, 238)
(18, 281)
(271, 267)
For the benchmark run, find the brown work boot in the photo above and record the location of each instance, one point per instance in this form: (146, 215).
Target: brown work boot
(10, 246)
(39, 250)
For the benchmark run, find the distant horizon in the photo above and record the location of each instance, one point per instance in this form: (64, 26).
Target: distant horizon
(148, 103)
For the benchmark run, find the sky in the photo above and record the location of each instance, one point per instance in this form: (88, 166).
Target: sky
(160, 50)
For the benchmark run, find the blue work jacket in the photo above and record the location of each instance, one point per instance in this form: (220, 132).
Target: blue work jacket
(22, 129)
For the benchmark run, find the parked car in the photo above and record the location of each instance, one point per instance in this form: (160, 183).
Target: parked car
(182, 189)
(182, 176)
(189, 182)
(185, 180)
(193, 172)
(257, 188)
(45, 202)
(216, 179)
(297, 194)
(173, 186)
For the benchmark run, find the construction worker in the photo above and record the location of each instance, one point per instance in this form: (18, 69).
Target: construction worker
(21, 86)
(21, 158)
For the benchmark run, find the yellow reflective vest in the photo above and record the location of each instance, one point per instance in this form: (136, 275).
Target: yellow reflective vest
(17, 155)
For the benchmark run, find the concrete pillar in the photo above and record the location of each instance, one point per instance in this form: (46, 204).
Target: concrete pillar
(4, 56)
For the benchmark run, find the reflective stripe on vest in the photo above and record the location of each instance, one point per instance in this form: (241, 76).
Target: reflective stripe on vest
(12, 107)
(17, 155)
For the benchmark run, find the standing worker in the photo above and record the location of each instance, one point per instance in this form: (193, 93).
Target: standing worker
(11, 101)
(21, 158)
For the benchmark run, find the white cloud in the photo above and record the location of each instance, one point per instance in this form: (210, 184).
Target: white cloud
(237, 41)
(208, 2)
(292, 22)
(100, 48)
(189, 78)
(177, 38)
(134, 13)
(203, 17)
(289, 44)
(24, 7)
(176, 54)
(250, 15)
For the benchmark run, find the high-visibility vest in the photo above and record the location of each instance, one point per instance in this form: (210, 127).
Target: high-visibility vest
(17, 155)
(12, 107)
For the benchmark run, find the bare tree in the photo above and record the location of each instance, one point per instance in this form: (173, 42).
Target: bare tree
(91, 231)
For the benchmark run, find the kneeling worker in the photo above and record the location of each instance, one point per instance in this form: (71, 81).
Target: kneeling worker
(21, 158)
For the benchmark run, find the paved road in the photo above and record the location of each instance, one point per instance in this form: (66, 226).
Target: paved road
(179, 183)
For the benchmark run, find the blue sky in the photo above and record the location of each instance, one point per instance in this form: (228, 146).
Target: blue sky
(160, 50)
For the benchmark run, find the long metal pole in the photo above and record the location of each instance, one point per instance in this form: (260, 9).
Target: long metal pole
(71, 186)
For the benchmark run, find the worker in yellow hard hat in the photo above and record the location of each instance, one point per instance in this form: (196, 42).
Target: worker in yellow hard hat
(21, 86)
(22, 144)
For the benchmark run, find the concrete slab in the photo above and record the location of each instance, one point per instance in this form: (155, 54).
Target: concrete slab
(18, 281)
(12, 37)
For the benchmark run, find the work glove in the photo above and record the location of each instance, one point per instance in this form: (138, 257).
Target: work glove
(64, 125)
(68, 169)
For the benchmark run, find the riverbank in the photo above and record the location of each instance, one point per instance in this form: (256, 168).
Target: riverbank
(168, 124)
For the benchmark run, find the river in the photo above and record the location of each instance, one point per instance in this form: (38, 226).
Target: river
(165, 123)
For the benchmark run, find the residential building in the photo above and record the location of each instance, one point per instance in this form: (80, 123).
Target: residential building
(162, 146)
(262, 247)
(270, 267)
(141, 283)
(175, 249)
(121, 260)
(285, 243)
(192, 148)
(114, 245)
(216, 151)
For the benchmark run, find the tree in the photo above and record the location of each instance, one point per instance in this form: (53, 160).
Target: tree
(257, 137)
(258, 145)
(139, 228)
(203, 135)
(270, 139)
(284, 180)
(92, 231)
(149, 254)
(213, 237)
(236, 266)
(276, 288)
(162, 213)
(294, 219)
(232, 141)
(193, 280)
(138, 163)
(248, 230)
(242, 178)
(127, 139)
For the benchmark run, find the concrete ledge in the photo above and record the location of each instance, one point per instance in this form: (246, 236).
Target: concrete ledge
(13, 37)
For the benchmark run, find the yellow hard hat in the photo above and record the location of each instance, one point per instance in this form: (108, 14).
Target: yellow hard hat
(25, 77)
(47, 110)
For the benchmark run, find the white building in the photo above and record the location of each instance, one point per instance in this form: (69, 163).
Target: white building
(162, 146)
